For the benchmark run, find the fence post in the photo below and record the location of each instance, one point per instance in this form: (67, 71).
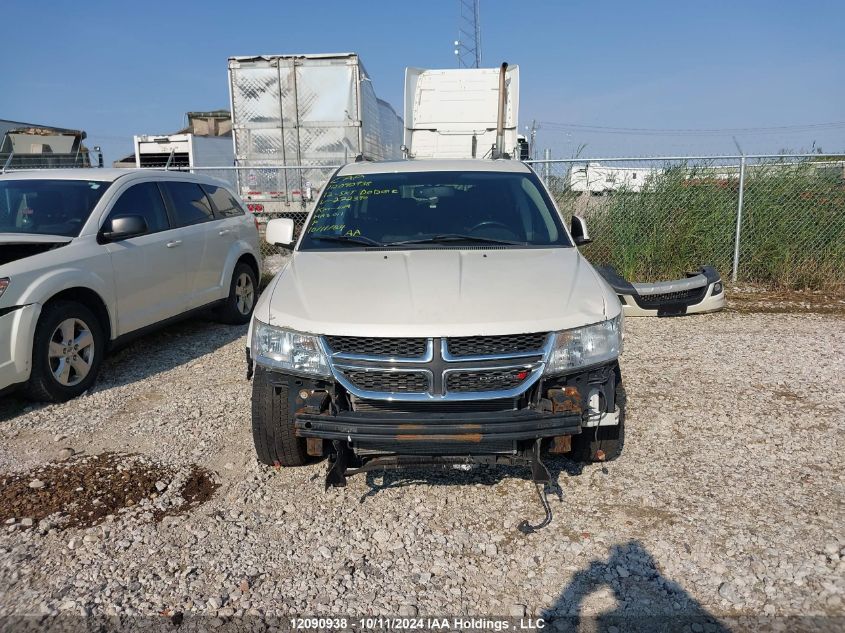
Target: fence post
(738, 218)
(547, 156)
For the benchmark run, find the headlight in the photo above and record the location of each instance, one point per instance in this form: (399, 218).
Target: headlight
(285, 349)
(588, 345)
(4, 283)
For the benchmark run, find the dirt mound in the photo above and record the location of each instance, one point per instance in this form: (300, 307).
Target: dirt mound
(84, 489)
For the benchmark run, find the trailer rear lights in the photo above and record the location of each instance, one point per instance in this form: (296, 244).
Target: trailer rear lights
(255, 208)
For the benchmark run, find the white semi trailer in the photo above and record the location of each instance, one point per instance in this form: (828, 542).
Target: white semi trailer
(463, 113)
(183, 151)
(303, 112)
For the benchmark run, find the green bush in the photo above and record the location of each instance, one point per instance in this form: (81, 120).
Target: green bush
(793, 229)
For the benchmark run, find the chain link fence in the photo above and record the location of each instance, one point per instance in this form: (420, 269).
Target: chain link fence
(777, 221)
(270, 192)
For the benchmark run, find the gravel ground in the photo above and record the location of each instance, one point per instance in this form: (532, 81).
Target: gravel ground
(727, 500)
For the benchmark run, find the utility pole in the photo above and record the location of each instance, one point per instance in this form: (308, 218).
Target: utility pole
(468, 44)
(532, 139)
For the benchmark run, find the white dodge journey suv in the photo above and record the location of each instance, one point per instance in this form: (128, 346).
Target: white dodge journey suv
(92, 257)
(435, 312)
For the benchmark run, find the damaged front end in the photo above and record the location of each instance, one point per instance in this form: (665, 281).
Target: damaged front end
(359, 434)
(15, 248)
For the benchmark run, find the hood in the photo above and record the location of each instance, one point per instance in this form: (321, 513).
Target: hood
(443, 292)
(15, 246)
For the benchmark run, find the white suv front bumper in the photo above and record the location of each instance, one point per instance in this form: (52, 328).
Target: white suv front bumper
(17, 329)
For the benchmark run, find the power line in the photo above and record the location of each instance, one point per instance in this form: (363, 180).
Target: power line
(600, 129)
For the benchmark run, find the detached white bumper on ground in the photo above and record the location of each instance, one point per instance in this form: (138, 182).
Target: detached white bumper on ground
(699, 292)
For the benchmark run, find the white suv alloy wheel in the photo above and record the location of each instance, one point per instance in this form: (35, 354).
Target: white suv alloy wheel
(245, 293)
(71, 352)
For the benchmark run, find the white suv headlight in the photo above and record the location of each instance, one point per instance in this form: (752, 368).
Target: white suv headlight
(584, 346)
(286, 349)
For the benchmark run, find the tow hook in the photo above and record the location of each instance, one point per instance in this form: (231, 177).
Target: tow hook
(337, 462)
(541, 476)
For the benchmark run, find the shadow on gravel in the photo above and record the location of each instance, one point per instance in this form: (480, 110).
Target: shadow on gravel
(626, 592)
(166, 349)
(154, 353)
(378, 480)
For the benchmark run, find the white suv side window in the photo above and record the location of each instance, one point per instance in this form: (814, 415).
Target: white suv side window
(190, 204)
(143, 199)
(226, 204)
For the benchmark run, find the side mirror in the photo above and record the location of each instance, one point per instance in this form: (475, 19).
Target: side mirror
(124, 227)
(580, 235)
(280, 232)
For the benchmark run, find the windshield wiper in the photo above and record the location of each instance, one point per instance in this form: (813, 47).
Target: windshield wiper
(350, 239)
(456, 237)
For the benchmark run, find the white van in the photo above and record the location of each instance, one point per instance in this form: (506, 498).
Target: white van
(91, 257)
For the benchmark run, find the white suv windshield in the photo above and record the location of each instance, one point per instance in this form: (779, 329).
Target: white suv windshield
(48, 207)
(422, 208)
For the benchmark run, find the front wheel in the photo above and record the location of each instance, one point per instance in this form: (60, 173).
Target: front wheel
(66, 352)
(243, 293)
(276, 443)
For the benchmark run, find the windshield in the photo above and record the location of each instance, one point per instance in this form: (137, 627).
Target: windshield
(47, 207)
(423, 208)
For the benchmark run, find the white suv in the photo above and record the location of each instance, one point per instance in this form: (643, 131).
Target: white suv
(435, 311)
(92, 257)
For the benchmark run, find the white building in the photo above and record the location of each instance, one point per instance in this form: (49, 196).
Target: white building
(597, 178)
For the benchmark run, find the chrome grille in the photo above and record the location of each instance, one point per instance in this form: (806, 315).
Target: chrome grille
(485, 380)
(426, 371)
(388, 347)
(389, 381)
(490, 345)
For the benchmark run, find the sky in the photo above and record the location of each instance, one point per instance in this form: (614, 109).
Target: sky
(667, 77)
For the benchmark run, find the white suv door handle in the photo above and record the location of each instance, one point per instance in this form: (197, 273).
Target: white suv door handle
(174, 244)
(225, 232)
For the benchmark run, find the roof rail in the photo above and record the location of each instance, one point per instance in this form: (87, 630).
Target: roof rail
(7, 163)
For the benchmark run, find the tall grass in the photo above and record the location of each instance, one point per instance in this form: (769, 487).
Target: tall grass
(793, 228)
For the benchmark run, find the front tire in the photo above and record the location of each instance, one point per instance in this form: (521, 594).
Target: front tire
(272, 424)
(243, 293)
(67, 351)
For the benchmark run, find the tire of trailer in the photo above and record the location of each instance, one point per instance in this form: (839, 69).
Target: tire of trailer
(608, 439)
(272, 424)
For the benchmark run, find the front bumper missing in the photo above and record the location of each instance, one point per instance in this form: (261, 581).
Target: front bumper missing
(468, 432)
(354, 441)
